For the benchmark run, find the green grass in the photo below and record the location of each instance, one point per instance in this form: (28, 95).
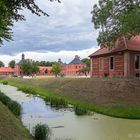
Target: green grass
(42, 132)
(13, 106)
(51, 90)
(4, 82)
(80, 110)
(11, 127)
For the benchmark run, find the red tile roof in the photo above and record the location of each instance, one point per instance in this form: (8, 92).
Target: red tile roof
(6, 70)
(121, 45)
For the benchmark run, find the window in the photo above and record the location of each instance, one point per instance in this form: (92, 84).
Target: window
(111, 62)
(137, 61)
(101, 63)
(137, 75)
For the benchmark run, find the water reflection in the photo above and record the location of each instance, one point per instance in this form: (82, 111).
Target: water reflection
(65, 123)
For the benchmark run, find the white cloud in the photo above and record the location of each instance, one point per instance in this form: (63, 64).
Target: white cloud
(66, 56)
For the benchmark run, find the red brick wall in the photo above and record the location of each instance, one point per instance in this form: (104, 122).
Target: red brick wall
(72, 69)
(118, 70)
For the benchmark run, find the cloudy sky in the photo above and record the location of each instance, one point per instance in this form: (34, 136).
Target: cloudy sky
(67, 32)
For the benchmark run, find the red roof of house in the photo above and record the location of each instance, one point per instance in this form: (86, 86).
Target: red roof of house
(122, 44)
(6, 69)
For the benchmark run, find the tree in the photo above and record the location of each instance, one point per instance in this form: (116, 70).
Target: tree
(86, 61)
(115, 18)
(12, 64)
(1, 64)
(10, 12)
(29, 67)
(85, 70)
(56, 69)
(46, 71)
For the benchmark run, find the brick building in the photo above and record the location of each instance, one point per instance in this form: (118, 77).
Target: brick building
(42, 69)
(73, 67)
(123, 60)
(6, 71)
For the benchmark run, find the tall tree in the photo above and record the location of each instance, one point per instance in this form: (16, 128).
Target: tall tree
(29, 67)
(10, 12)
(1, 64)
(12, 63)
(115, 18)
(56, 69)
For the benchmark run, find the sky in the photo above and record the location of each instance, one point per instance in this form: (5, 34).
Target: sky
(67, 32)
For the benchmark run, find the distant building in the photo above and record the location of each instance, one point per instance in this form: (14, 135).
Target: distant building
(6, 71)
(43, 70)
(123, 60)
(18, 70)
(73, 67)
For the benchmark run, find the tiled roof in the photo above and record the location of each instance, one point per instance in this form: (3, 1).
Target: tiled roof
(76, 60)
(120, 45)
(6, 69)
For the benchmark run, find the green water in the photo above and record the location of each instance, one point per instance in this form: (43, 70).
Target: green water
(64, 123)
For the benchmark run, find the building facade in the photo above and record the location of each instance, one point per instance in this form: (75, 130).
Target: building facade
(72, 69)
(123, 60)
(6, 71)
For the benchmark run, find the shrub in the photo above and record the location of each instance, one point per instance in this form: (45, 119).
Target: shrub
(4, 82)
(57, 102)
(80, 110)
(42, 132)
(12, 105)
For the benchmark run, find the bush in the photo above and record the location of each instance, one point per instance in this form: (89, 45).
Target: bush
(42, 132)
(58, 102)
(12, 105)
(80, 110)
(4, 82)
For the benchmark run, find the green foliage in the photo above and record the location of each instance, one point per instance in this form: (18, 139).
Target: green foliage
(12, 63)
(56, 68)
(80, 110)
(42, 132)
(44, 63)
(1, 64)
(4, 82)
(29, 67)
(57, 102)
(116, 18)
(85, 70)
(12, 105)
(86, 61)
(27, 90)
(10, 11)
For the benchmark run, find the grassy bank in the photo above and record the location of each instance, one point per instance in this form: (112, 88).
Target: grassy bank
(10, 127)
(13, 106)
(113, 97)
